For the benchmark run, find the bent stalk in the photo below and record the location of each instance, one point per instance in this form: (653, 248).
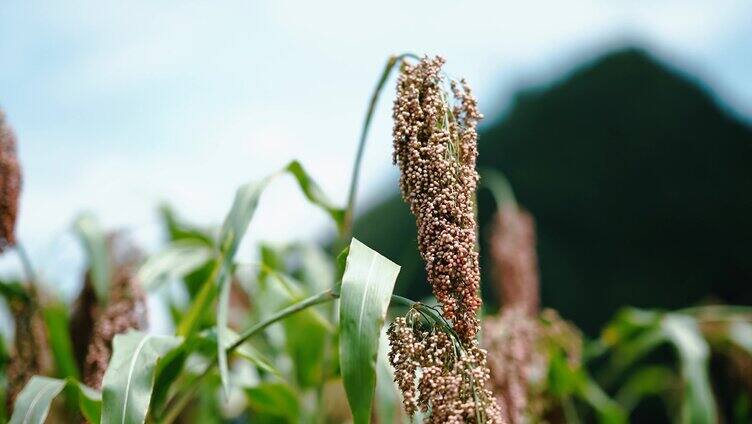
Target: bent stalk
(351, 197)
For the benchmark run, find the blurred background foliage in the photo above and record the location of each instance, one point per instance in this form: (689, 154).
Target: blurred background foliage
(639, 182)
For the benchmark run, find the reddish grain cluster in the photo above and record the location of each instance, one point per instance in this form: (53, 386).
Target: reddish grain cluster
(435, 147)
(451, 383)
(10, 184)
(125, 310)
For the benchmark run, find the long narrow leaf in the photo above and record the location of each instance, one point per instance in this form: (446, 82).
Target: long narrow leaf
(176, 261)
(315, 195)
(10, 290)
(177, 230)
(58, 333)
(95, 244)
(366, 291)
(647, 381)
(129, 380)
(233, 230)
(276, 400)
(698, 405)
(740, 334)
(33, 403)
(189, 323)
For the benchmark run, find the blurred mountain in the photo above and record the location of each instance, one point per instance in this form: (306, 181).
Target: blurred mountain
(640, 182)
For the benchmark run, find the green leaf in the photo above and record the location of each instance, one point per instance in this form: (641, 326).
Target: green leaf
(276, 399)
(315, 195)
(631, 335)
(367, 287)
(129, 379)
(233, 230)
(168, 370)
(11, 290)
(305, 333)
(191, 319)
(305, 341)
(698, 405)
(223, 335)
(33, 403)
(316, 268)
(740, 334)
(177, 230)
(635, 332)
(59, 337)
(89, 402)
(231, 234)
(94, 242)
(176, 261)
(609, 412)
(647, 381)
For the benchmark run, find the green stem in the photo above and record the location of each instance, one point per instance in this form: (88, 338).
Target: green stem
(350, 208)
(26, 264)
(323, 297)
(402, 301)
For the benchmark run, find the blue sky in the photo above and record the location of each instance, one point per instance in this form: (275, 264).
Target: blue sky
(119, 105)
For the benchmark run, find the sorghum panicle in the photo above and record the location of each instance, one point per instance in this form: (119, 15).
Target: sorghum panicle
(514, 259)
(435, 147)
(451, 376)
(511, 337)
(125, 310)
(10, 184)
(31, 354)
(511, 340)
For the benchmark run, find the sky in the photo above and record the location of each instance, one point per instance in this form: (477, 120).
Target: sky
(119, 106)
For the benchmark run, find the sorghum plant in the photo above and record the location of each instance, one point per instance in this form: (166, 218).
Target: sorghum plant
(10, 184)
(435, 147)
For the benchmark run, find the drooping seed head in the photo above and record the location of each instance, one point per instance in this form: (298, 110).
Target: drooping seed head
(125, 310)
(435, 147)
(10, 184)
(441, 376)
(514, 259)
(31, 354)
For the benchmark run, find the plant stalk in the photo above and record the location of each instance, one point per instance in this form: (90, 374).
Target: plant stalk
(351, 197)
(31, 276)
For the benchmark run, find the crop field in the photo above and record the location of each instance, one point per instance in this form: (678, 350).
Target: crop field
(315, 333)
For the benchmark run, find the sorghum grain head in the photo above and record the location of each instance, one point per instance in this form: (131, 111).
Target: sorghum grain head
(435, 147)
(31, 354)
(451, 376)
(514, 259)
(125, 310)
(10, 184)
(511, 340)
